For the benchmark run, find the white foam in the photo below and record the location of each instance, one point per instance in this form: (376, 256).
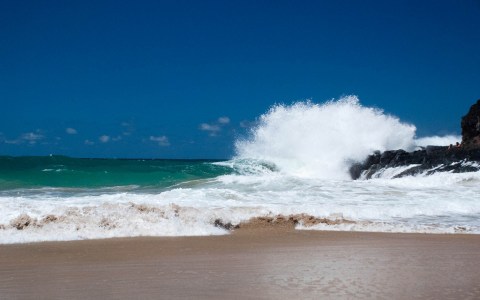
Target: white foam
(437, 140)
(460, 182)
(387, 227)
(442, 202)
(321, 140)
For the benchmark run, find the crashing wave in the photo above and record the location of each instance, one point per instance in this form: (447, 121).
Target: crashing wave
(323, 140)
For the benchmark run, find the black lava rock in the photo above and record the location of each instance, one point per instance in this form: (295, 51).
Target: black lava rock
(471, 127)
(432, 159)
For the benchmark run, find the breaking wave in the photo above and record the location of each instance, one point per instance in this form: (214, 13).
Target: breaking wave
(322, 140)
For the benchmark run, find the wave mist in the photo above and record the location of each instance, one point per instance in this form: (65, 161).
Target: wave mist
(322, 140)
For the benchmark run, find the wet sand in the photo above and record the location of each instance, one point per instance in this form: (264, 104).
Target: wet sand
(247, 264)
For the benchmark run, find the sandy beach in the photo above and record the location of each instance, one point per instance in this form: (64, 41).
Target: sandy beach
(247, 264)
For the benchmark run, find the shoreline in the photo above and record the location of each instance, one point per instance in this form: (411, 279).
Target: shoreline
(266, 263)
(279, 222)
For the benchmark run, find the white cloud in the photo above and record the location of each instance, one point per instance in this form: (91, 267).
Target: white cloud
(128, 128)
(246, 124)
(88, 142)
(71, 130)
(223, 120)
(161, 140)
(104, 138)
(29, 137)
(211, 129)
(208, 127)
(214, 128)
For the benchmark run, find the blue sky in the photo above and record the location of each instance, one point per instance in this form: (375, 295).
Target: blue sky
(183, 79)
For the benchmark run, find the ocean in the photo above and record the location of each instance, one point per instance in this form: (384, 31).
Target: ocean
(294, 162)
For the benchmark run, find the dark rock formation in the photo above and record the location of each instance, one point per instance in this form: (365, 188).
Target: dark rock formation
(429, 160)
(471, 127)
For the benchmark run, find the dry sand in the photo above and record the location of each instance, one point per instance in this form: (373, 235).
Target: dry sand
(251, 263)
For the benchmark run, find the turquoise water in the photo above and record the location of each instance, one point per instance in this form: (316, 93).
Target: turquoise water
(67, 172)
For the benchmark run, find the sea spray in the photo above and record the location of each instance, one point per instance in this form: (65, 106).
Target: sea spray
(322, 140)
(437, 140)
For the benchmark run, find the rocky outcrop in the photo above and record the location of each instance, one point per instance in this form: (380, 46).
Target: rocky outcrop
(471, 127)
(430, 160)
(460, 158)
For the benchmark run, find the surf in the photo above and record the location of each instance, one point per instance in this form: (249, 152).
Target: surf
(322, 140)
(293, 165)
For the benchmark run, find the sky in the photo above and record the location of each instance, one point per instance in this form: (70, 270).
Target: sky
(184, 79)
